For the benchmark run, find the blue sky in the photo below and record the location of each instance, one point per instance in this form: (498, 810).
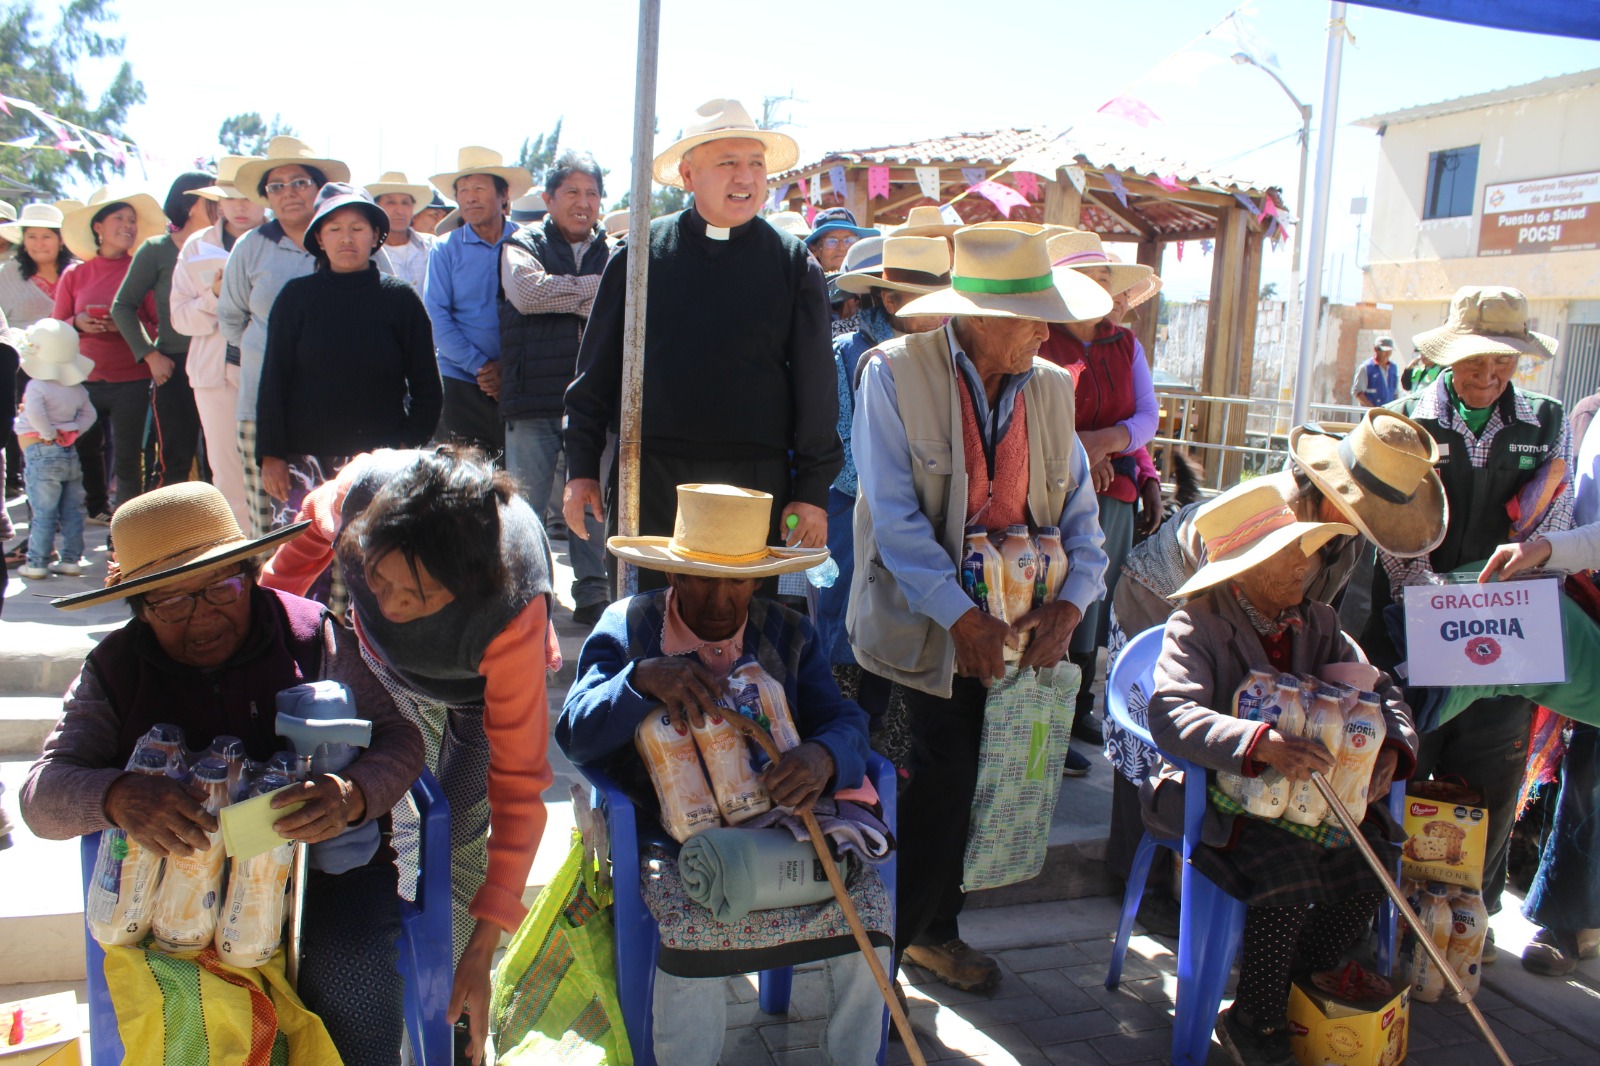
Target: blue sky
(401, 85)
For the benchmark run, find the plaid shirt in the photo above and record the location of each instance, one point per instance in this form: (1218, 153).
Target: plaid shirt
(1435, 405)
(534, 291)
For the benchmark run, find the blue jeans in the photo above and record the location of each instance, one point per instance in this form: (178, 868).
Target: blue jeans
(532, 447)
(833, 601)
(54, 480)
(1565, 895)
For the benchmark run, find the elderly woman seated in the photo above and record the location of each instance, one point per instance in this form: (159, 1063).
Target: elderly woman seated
(1309, 899)
(207, 650)
(674, 649)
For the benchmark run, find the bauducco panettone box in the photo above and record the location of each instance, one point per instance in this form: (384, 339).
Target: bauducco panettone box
(1348, 1017)
(1446, 835)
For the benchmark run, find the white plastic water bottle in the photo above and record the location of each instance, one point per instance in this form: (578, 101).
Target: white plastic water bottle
(825, 573)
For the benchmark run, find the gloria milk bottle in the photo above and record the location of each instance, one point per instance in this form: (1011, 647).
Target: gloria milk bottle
(673, 762)
(758, 696)
(1427, 982)
(980, 573)
(1364, 734)
(739, 793)
(1323, 722)
(251, 925)
(126, 874)
(1051, 571)
(190, 898)
(1469, 925)
(1253, 702)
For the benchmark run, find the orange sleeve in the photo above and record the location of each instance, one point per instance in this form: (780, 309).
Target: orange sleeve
(516, 720)
(295, 567)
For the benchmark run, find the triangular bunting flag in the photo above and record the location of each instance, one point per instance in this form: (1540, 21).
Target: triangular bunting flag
(928, 181)
(877, 183)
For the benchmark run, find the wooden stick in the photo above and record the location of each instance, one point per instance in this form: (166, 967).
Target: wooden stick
(831, 869)
(1342, 813)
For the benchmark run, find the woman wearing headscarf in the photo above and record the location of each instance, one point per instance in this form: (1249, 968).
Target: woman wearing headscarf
(103, 234)
(213, 364)
(177, 424)
(1307, 899)
(28, 280)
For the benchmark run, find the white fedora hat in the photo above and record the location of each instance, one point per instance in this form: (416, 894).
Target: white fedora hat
(474, 159)
(226, 187)
(720, 531)
(77, 228)
(926, 221)
(718, 120)
(394, 181)
(33, 216)
(1004, 272)
(283, 152)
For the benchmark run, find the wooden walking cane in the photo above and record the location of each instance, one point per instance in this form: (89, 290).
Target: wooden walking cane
(1342, 813)
(829, 867)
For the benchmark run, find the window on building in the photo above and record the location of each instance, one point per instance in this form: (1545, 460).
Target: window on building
(1452, 182)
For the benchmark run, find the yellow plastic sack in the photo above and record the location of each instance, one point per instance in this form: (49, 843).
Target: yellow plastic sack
(195, 1010)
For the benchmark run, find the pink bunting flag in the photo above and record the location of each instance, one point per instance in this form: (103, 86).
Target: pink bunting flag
(811, 213)
(1118, 188)
(1131, 108)
(1180, 251)
(1169, 183)
(1268, 210)
(877, 183)
(3, 106)
(1027, 183)
(1004, 197)
(801, 185)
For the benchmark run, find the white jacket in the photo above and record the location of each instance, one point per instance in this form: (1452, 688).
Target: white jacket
(194, 307)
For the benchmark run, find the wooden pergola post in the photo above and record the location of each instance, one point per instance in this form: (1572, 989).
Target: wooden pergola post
(1063, 203)
(858, 201)
(1230, 333)
(1149, 316)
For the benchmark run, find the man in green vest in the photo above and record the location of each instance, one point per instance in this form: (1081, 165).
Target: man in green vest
(964, 426)
(1498, 447)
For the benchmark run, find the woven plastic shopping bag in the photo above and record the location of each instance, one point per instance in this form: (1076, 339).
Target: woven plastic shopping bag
(1027, 724)
(555, 993)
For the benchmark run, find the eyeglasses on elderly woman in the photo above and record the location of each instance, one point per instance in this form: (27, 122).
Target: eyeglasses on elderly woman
(180, 608)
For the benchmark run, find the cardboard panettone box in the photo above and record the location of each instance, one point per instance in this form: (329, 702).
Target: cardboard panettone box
(1446, 835)
(1348, 1017)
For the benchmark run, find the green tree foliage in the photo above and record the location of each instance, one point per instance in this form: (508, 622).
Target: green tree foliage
(249, 133)
(537, 154)
(39, 63)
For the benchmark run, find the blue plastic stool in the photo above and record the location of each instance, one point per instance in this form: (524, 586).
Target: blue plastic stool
(424, 944)
(639, 939)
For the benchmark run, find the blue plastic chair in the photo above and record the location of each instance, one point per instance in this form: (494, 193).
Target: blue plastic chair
(424, 945)
(639, 939)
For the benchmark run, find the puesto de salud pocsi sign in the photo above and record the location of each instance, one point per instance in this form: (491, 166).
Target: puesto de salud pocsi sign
(1505, 633)
(1559, 214)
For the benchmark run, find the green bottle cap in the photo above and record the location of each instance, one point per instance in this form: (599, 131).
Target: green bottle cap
(792, 521)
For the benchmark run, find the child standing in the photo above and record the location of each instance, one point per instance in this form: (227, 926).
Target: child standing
(55, 410)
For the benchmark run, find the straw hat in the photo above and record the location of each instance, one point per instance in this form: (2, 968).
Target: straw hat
(791, 222)
(283, 152)
(1143, 290)
(1484, 320)
(7, 211)
(720, 120)
(393, 181)
(616, 224)
(49, 351)
(1004, 272)
(476, 160)
(721, 531)
(1381, 476)
(1246, 527)
(78, 233)
(926, 221)
(34, 216)
(66, 207)
(170, 533)
(904, 264)
(226, 187)
(1081, 249)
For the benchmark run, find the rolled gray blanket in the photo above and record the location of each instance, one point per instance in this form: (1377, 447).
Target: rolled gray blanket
(733, 871)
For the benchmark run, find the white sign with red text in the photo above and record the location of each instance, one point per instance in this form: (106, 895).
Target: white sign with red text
(1503, 633)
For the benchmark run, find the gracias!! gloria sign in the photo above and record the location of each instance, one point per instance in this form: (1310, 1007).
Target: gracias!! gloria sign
(1499, 634)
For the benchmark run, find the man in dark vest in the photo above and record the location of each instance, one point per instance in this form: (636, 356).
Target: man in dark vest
(1497, 444)
(549, 273)
(739, 385)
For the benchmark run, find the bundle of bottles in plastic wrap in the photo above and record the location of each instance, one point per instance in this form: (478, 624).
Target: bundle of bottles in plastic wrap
(1010, 578)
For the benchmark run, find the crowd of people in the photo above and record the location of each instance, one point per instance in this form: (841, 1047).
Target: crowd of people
(335, 429)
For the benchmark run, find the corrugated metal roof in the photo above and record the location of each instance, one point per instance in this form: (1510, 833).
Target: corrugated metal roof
(1510, 94)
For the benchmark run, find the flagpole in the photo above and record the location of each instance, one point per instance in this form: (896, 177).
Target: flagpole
(1311, 308)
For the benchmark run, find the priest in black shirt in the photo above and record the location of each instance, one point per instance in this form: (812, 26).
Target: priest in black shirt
(739, 384)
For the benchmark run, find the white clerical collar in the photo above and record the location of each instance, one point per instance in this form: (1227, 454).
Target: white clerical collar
(717, 233)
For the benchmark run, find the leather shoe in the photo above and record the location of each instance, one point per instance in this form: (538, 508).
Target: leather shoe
(956, 964)
(1550, 954)
(1087, 730)
(1077, 764)
(589, 613)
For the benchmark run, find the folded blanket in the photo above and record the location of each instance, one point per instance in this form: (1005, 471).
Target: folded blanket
(849, 827)
(733, 871)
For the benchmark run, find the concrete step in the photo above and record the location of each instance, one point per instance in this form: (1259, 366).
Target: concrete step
(25, 722)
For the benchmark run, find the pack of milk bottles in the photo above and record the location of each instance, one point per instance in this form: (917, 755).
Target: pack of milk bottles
(188, 903)
(1011, 578)
(1457, 922)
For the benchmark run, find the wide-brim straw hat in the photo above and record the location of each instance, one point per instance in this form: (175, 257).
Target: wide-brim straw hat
(394, 181)
(1005, 272)
(475, 159)
(1245, 527)
(905, 264)
(1080, 249)
(720, 120)
(1484, 320)
(7, 211)
(616, 223)
(49, 352)
(33, 216)
(1382, 477)
(1143, 290)
(720, 531)
(926, 221)
(225, 187)
(170, 533)
(451, 221)
(284, 152)
(790, 222)
(77, 229)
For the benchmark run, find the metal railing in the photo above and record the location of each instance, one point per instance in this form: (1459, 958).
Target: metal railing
(1258, 429)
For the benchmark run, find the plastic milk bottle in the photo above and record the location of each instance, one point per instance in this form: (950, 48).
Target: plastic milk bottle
(1051, 572)
(1427, 983)
(670, 756)
(126, 874)
(251, 926)
(1019, 561)
(980, 573)
(1469, 925)
(1253, 702)
(739, 793)
(1364, 734)
(760, 698)
(1324, 723)
(190, 898)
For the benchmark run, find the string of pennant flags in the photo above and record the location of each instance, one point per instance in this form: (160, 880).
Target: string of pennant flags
(60, 135)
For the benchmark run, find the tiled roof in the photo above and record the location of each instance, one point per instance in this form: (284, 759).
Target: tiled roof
(1511, 94)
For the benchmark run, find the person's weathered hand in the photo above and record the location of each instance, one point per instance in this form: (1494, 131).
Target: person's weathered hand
(1102, 444)
(489, 379)
(471, 989)
(812, 529)
(275, 478)
(582, 494)
(1294, 757)
(980, 646)
(1382, 775)
(1150, 507)
(681, 684)
(159, 813)
(1102, 476)
(332, 805)
(797, 779)
(161, 367)
(1052, 625)
(1510, 559)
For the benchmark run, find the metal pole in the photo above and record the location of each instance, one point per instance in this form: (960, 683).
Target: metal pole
(644, 127)
(1310, 312)
(1294, 261)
